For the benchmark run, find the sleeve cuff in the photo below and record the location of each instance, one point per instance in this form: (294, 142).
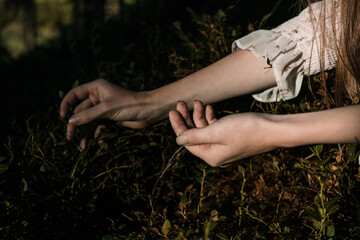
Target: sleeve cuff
(285, 60)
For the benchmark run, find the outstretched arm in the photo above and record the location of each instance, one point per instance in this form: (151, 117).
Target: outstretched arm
(339, 125)
(237, 136)
(239, 73)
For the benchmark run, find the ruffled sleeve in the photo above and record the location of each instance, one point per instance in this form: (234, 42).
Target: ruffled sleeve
(292, 51)
(285, 60)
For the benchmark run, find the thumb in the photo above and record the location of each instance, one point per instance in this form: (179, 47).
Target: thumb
(87, 116)
(195, 136)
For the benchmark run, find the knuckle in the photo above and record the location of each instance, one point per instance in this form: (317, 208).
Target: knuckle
(100, 81)
(105, 106)
(181, 104)
(85, 116)
(173, 114)
(192, 138)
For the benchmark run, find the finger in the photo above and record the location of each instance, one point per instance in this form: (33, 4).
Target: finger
(177, 122)
(72, 97)
(70, 132)
(182, 108)
(83, 106)
(99, 130)
(210, 114)
(79, 93)
(85, 133)
(83, 143)
(196, 136)
(88, 115)
(202, 142)
(199, 115)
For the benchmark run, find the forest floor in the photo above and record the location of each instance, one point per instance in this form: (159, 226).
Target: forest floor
(112, 190)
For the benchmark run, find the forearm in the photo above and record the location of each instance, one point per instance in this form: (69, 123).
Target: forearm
(237, 74)
(340, 125)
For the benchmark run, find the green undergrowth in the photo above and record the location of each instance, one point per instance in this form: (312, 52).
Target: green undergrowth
(49, 189)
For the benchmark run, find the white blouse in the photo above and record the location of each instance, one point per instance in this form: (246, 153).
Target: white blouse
(293, 51)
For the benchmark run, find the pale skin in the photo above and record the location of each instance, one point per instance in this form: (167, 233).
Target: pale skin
(216, 141)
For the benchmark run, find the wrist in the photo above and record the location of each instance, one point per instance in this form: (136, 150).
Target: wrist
(155, 108)
(283, 131)
(269, 128)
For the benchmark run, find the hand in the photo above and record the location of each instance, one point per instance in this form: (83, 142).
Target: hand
(222, 141)
(101, 100)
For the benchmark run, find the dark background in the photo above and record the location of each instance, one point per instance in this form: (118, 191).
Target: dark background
(46, 46)
(51, 190)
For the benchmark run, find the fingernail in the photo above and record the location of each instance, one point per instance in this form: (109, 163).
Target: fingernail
(181, 140)
(74, 120)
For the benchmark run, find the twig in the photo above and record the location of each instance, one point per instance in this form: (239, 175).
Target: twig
(168, 165)
(108, 171)
(127, 217)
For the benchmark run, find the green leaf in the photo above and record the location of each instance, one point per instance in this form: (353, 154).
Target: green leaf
(298, 165)
(354, 157)
(166, 227)
(211, 170)
(332, 202)
(240, 233)
(316, 224)
(52, 136)
(75, 84)
(312, 213)
(201, 166)
(198, 179)
(107, 237)
(317, 149)
(321, 212)
(275, 227)
(330, 231)
(233, 33)
(222, 236)
(183, 199)
(351, 151)
(241, 169)
(264, 19)
(333, 209)
(61, 94)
